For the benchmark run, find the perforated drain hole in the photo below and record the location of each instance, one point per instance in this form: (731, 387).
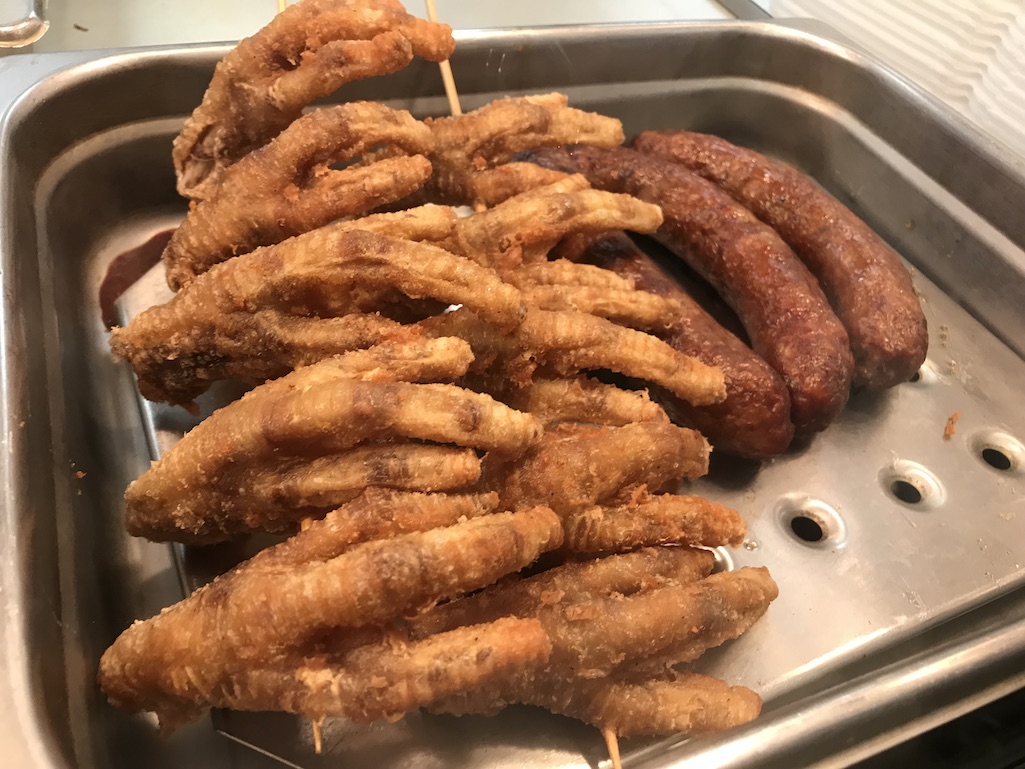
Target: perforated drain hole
(723, 560)
(913, 485)
(811, 521)
(906, 492)
(807, 528)
(996, 458)
(916, 376)
(998, 450)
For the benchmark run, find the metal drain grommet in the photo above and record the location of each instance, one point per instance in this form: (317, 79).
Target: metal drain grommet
(913, 485)
(925, 375)
(998, 450)
(811, 521)
(723, 560)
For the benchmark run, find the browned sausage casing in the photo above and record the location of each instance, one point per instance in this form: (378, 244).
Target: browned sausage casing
(780, 303)
(865, 280)
(754, 420)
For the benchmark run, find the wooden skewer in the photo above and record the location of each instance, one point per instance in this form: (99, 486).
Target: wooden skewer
(317, 744)
(612, 743)
(446, 69)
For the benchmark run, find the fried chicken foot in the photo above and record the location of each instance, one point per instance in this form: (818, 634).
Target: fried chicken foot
(575, 467)
(581, 400)
(653, 520)
(288, 187)
(569, 342)
(251, 614)
(304, 53)
(377, 514)
(572, 582)
(329, 481)
(386, 680)
(410, 359)
(592, 637)
(574, 341)
(176, 360)
(492, 186)
(596, 637)
(563, 272)
(689, 704)
(563, 285)
(322, 288)
(527, 226)
(191, 494)
(423, 224)
(491, 135)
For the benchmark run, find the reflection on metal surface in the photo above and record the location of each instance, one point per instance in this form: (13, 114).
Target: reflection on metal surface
(90, 183)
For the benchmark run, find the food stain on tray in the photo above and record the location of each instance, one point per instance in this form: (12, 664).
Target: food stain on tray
(125, 269)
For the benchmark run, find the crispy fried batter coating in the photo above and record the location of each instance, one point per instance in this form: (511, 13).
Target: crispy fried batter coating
(424, 224)
(527, 226)
(491, 135)
(625, 573)
(492, 186)
(653, 520)
(575, 341)
(410, 358)
(288, 187)
(386, 680)
(249, 346)
(304, 53)
(569, 342)
(563, 272)
(593, 636)
(283, 495)
(574, 467)
(376, 514)
(260, 315)
(582, 399)
(563, 285)
(193, 493)
(252, 614)
(687, 703)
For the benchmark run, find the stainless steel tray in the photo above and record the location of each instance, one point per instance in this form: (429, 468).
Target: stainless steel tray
(904, 616)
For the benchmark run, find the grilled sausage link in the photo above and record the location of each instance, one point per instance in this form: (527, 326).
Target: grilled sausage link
(754, 420)
(864, 279)
(778, 300)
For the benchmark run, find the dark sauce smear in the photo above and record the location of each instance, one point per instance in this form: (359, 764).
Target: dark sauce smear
(127, 268)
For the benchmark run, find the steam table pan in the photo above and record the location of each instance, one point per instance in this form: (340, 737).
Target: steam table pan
(899, 614)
